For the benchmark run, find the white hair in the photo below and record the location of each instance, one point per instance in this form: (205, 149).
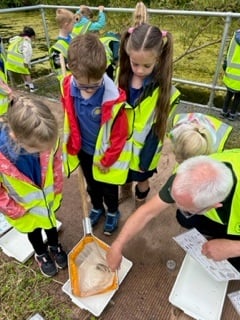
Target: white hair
(206, 180)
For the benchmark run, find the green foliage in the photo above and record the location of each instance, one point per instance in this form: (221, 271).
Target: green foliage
(23, 293)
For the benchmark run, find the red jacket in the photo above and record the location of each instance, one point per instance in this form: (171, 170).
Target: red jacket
(119, 132)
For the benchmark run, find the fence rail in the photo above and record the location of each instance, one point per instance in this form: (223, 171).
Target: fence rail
(212, 85)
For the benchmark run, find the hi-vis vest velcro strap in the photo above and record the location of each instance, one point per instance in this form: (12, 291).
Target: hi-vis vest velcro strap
(232, 157)
(221, 128)
(119, 170)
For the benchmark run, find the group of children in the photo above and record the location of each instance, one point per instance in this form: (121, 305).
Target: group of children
(114, 131)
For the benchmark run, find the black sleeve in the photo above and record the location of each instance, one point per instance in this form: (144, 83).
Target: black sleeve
(165, 192)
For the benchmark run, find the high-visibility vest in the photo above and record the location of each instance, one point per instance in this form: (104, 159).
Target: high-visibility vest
(222, 129)
(232, 73)
(40, 203)
(144, 117)
(4, 99)
(106, 41)
(60, 46)
(15, 60)
(230, 156)
(80, 29)
(118, 171)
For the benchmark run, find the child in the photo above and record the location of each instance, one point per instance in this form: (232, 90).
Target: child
(111, 42)
(231, 78)
(196, 134)
(5, 90)
(145, 74)
(96, 127)
(19, 55)
(84, 22)
(65, 20)
(31, 178)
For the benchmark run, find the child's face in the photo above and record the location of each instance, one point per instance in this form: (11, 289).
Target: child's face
(142, 62)
(89, 86)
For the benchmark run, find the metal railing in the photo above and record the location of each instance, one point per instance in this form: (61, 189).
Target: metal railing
(227, 16)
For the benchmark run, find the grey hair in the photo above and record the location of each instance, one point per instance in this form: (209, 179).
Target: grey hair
(206, 180)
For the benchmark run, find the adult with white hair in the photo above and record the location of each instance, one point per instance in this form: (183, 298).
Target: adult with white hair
(206, 191)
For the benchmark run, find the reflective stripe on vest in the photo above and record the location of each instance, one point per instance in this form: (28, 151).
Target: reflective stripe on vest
(62, 47)
(144, 119)
(39, 203)
(81, 29)
(70, 162)
(232, 73)
(15, 60)
(118, 171)
(221, 128)
(230, 156)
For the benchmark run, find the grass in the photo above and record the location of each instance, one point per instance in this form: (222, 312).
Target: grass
(25, 291)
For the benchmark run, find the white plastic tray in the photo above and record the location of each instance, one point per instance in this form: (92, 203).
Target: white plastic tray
(197, 293)
(16, 244)
(4, 225)
(97, 303)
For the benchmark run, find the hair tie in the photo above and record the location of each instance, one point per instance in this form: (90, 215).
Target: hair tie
(164, 33)
(130, 30)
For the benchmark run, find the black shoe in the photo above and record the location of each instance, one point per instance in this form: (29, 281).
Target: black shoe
(46, 264)
(232, 117)
(59, 256)
(224, 114)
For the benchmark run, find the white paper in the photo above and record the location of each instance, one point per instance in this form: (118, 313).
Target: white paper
(235, 299)
(191, 241)
(4, 225)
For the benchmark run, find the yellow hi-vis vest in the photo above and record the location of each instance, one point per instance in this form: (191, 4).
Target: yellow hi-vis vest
(4, 99)
(118, 172)
(232, 73)
(62, 47)
(143, 121)
(230, 156)
(222, 129)
(15, 60)
(80, 29)
(40, 203)
(106, 41)
(70, 162)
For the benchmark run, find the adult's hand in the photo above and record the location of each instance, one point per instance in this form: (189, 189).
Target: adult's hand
(220, 249)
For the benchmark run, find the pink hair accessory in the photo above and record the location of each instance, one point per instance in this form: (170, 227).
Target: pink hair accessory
(164, 33)
(130, 30)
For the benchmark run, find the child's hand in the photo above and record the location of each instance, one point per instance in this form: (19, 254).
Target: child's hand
(101, 8)
(101, 167)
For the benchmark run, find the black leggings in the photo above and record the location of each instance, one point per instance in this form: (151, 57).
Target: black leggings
(36, 239)
(209, 228)
(235, 103)
(99, 192)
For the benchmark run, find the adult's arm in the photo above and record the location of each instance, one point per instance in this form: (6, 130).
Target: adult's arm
(134, 224)
(220, 249)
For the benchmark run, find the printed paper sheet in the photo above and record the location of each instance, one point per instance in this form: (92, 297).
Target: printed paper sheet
(191, 241)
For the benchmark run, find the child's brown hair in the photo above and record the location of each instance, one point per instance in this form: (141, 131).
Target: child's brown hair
(87, 57)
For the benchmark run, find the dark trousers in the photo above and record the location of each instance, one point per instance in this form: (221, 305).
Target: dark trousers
(209, 228)
(235, 102)
(100, 193)
(36, 239)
